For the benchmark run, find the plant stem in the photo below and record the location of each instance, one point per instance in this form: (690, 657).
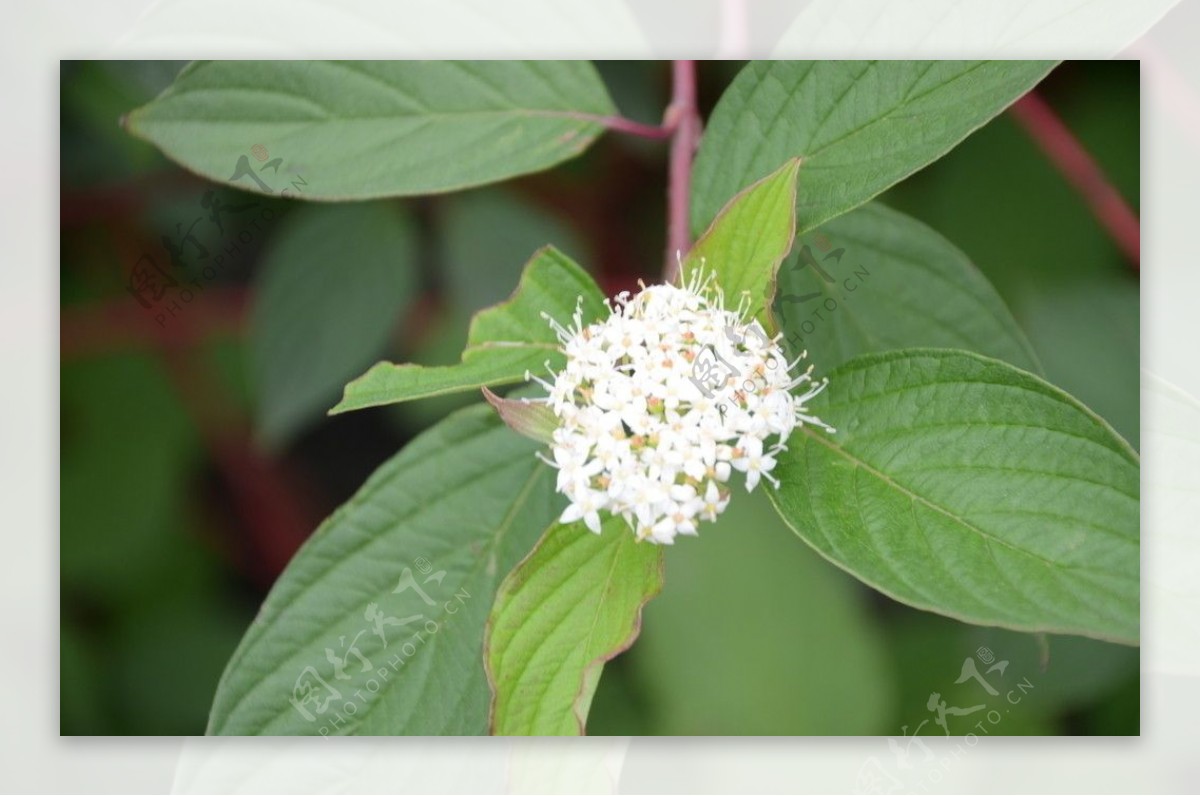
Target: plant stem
(682, 118)
(622, 125)
(1065, 152)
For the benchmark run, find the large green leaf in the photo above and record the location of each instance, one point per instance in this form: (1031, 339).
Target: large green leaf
(504, 341)
(1064, 280)
(961, 485)
(366, 129)
(747, 241)
(859, 126)
(875, 280)
(331, 290)
(573, 604)
(430, 535)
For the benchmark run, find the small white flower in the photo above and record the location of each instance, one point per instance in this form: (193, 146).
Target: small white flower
(659, 402)
(586, 505)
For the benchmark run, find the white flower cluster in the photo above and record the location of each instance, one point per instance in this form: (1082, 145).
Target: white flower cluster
(661, 400)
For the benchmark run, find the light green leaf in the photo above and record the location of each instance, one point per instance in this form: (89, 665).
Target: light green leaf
(430, 535)
(573, 604)
(961, 485)
(368, 129)
(332, 288)
(747, 241)
(504, 341)
(860, 126)
(876, 280)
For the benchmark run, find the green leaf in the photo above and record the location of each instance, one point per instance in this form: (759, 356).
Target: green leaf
(573, 604)
(1078, 325)
(875, 280)
(504, 341)
(747, 241)
(445, 519)
(368, 129)
(332, 288)
(961, 485)
(860, 127)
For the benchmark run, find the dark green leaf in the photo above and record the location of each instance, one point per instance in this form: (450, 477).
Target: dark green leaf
(368, 129)
(430, 535)
(875, 280)
(859, 126)
(958, 484)
(331, 290)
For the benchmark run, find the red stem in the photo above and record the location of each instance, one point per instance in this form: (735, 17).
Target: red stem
(623, 125)
(682, 117)
(119, 324)
(1078, 167)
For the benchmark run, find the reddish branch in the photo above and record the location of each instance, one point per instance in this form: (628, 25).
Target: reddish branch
(684, 120)
(271, 499)
(623, 125)
(122, 324)
(681, 123)
(1082, 172)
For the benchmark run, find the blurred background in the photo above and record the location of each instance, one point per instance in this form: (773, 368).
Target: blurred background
(196, 456)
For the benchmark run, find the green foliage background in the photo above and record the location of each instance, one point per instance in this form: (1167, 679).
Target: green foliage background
(179, 506)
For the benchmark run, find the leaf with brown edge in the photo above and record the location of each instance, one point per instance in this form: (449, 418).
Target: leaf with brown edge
(529, 418)
(574, 603)
(748, 240)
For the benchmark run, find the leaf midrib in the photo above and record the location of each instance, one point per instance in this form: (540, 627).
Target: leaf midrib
(589, 661)
(330, 116)
(300, 648)
(883, 477)
(483, 563)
